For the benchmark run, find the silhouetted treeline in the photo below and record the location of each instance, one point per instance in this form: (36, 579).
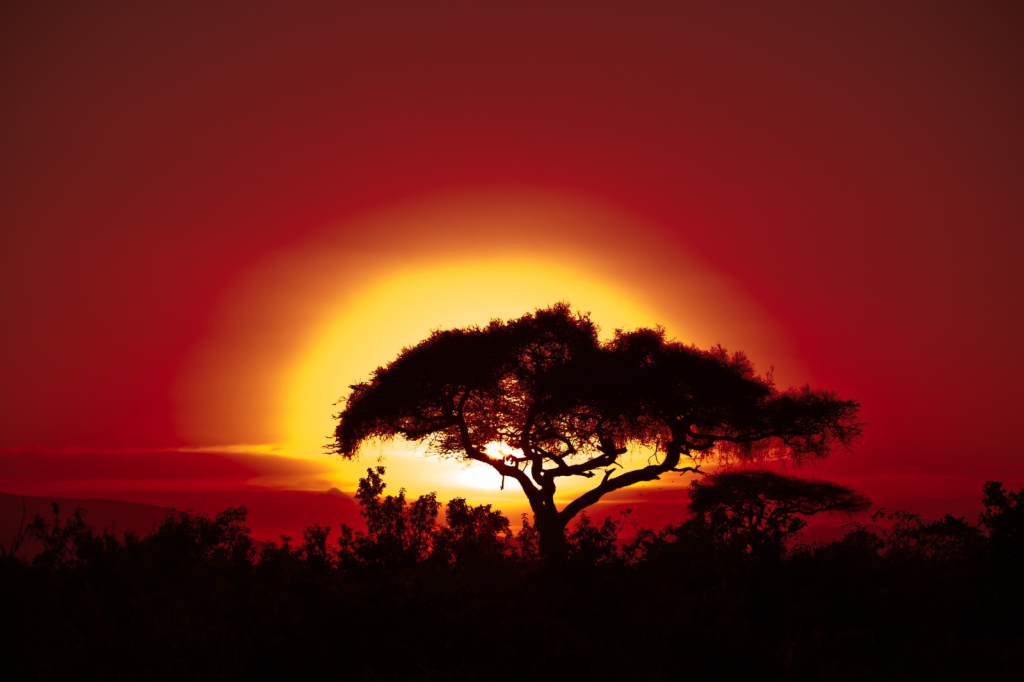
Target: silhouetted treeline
(411, 599)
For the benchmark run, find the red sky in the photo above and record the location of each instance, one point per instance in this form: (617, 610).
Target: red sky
(845, 181)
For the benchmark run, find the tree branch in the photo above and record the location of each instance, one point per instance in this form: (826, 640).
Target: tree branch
(652, 472)
(478, 455)
(584, 468)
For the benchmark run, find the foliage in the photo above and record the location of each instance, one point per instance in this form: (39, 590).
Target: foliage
(594, 544)
(472, 535)
(315, 551)
(1003, 518)
(396, 532)
(913, 537)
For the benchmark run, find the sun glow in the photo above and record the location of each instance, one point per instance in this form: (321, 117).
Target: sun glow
(481, 476)
(501, 450)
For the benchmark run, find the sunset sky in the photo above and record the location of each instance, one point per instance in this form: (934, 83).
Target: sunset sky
(215, 217)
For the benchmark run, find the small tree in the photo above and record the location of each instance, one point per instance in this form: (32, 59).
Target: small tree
(757, 511)
(397, 533)
(314, 547)
(562, 403)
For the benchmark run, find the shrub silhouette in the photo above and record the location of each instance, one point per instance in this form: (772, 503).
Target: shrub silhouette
(192, 538)
(926, 599)
(1003, 518)
(473, 535)
(397, 533)
(913, 537)
(314, 549)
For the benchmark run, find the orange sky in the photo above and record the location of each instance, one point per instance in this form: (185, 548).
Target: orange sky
(215, 219)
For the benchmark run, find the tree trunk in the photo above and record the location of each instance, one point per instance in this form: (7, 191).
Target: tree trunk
(551, 531)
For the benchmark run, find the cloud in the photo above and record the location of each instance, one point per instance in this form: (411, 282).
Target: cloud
(41, 469)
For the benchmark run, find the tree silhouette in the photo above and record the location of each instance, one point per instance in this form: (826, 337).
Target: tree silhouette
(1003, 518)
(758, 510)
(561, 403)
(397, 533)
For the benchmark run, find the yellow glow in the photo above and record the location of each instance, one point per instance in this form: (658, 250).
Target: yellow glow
(501, 450)
(480, 476)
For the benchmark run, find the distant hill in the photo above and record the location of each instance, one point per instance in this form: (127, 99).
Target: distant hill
(272, 513)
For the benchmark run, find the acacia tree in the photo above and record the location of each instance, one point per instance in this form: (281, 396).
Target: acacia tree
(563, 403)
(758, 510)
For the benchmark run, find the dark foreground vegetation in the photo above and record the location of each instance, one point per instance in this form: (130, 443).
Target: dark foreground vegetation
(725, 595)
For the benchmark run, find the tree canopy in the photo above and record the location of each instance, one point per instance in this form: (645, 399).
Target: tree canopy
(561, 403)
